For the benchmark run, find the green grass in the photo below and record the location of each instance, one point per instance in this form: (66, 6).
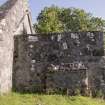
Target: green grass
(35, 99)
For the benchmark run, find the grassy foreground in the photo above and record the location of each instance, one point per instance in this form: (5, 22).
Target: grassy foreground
(35, 99)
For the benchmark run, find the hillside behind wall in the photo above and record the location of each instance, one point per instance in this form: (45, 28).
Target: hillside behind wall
(14, 19)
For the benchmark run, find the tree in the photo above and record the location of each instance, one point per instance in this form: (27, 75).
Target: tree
(75, 19)
(97, 24)
(55, 19)
(48, 20)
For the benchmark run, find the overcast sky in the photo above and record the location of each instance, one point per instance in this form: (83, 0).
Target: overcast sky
(96, 7)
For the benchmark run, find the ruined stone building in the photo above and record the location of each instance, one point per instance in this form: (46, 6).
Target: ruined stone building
(14, 20)
(47, 62)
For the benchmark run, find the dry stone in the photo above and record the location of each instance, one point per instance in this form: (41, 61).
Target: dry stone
(56, 62)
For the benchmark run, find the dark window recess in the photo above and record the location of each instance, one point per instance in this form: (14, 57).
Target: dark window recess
(38, 74)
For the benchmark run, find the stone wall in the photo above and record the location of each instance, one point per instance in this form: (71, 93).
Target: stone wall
(14, 20)
(59, 61)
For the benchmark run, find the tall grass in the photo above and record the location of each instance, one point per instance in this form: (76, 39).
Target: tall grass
(36, 99)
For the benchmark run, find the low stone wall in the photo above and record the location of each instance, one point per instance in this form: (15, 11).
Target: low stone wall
(60, 61)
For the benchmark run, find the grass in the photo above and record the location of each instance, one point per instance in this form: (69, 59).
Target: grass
(35, 99)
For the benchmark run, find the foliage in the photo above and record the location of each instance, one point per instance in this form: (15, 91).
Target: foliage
(48, 20)
(55, 19)
(36, 99)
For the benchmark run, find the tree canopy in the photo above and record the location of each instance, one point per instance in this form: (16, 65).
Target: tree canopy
(55, 19)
